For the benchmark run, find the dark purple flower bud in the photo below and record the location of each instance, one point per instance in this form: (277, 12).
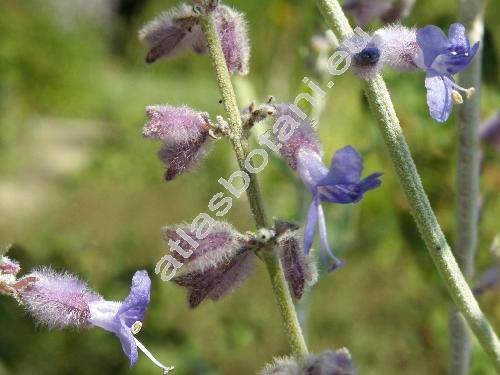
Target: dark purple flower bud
(330, 362)
(9, 266)
(220, 245)
(293, 133)
(57, 300)
(365, 55)
(185, 134)
(442, 57)
(173, 32)
(398, 46)
(300, 268)
(232, 30)
(215, 282)
(490, 131)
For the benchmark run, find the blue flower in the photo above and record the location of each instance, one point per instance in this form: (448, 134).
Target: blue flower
(443, 57)
(120, 317)
(341, 183)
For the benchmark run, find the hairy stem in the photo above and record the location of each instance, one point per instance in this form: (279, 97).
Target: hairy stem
(468, 166)
(273, 264)
(383, 109)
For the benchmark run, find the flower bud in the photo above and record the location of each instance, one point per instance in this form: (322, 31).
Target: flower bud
(232, 30)
(185, 134)
(217, 281)
(293, 133)
(9, 266)
(221, 245)
(299, 268)
(398, 46)
(56, 300)
(173, 32)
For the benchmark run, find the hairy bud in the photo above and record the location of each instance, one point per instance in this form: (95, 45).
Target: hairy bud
(215, 282)
(185, 134)
(300, 268)
(57, 300)
(398, 46)
(220, 245)
(299, 135)
(173, 32)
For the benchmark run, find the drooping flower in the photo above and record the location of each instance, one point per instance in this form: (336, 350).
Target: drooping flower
(61, 300)
(184, 133)
(389, 11)
(179, 30)
(331, 362)
(490, 130)
(341, 183)
(441, 58)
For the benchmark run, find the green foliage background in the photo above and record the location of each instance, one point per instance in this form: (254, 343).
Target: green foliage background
(80, 189)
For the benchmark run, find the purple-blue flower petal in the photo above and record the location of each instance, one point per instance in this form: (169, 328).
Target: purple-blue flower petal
(346, 168)
(457, 36)
(373, 181)
(432, 41)
(439, 95)
(129, 346)
(135, 305)
(325, 247)
(310, 230)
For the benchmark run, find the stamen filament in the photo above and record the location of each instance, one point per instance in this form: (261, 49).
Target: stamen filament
(166, 370)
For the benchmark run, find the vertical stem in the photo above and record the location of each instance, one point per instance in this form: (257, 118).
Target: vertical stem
(273, 264)
(468, 165)
(409, 179)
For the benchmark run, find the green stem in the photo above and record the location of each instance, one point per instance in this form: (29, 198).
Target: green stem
(468, 167)
(273, 264)
(383, 109)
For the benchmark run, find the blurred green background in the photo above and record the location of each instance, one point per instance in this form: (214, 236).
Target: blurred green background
(80, 189)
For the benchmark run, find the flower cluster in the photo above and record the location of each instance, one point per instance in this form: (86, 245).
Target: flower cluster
(224, 258)
(428, 49)
(179, 30)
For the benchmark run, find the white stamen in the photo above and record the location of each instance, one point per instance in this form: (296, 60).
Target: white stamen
(136, 327)
(470, 92)
(457, 98)
(166, 370)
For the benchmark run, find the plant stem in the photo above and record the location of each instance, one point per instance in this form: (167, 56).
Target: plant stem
(273, 264)
(468, 170)
(409, 179)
